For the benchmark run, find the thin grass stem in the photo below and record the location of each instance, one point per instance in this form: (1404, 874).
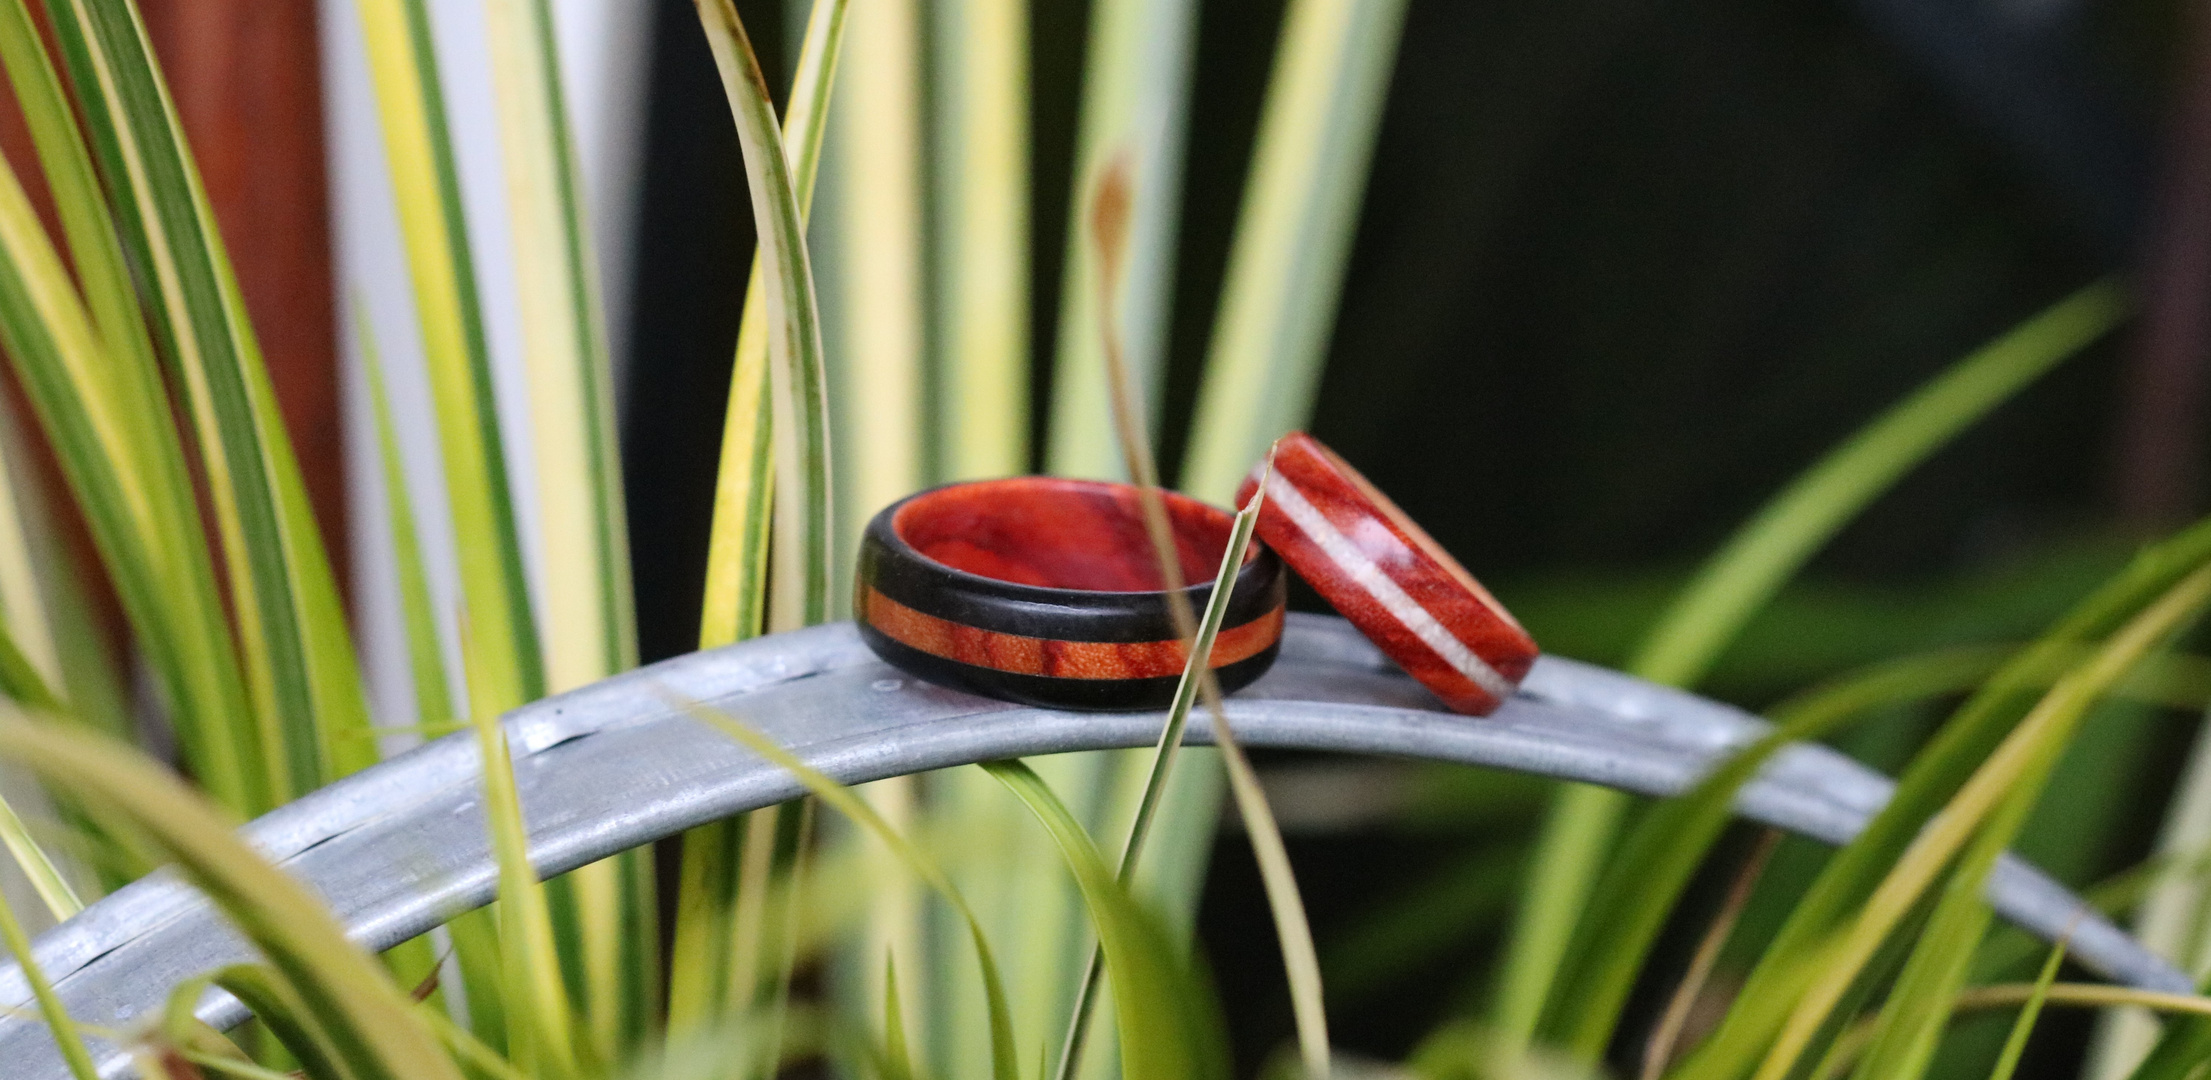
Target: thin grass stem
(1659, 1049)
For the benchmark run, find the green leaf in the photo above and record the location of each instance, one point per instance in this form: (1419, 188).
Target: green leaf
(271, 1000)
(735, 608)
(38, 867)
(540, 1022)
(1741, 577)
(418, 616)
(1003, 1063)
(980, 244)
(1300, 960)
(369, 1020)
(50, 1008)
(499, 633)
(897, 1064)
(2173, 680)
(1987, 811)
(1135, 104)
(1196, 672)
(92, 390)
(503, 666)
(588, 616)
(2015, 1045)
(1293, 237)
(1168, 1029)
(1934, 776)
(872, 263)
(297, 650)
(588, 630)
(737, 546)
(1643, 883)
(1769, 548)
(1194, 675)
(1657, 859)
(803, 530)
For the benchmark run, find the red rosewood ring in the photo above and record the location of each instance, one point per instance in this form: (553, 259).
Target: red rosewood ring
(1384, 573)
(1046, 592)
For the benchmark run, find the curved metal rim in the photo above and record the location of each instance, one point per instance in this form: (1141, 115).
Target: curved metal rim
(399, 848)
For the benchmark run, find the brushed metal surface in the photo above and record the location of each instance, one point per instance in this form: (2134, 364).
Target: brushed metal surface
(399, 848)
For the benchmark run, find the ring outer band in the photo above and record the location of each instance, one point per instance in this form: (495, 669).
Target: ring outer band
(1388, 577)
(1011, 641)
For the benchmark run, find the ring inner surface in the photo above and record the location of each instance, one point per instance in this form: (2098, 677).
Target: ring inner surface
(1060, 534)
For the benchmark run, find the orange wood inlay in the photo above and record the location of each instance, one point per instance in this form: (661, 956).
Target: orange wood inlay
(1059, 659)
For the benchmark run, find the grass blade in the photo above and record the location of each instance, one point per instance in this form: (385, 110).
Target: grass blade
(2093, 996)
(297, 650)
(2010, 778)
(475, 934)
(2015, 1045)
(737, 547)
(588, 615)
(271, 1000)
(897, 1064)
(1769, 548)
(876, 257)
(425, 655)
(1659, 856)
(502, 663)
(1110, 214)
(539, 1017)
(803, 529)
(842, 799)
(1196, 671)
(1938, 772)
(369, 1019)
(50, 1008)
(713, 972)
(1655, 864)
(91, 383)
(980, 249)
(499, 634)
(1740, 578)
(1195, 674)
(587, 611)
(1300, 961)
(877, 315)
(2173, 680)
(1167, 1028)
(1136, 78)
(2170, 922)
(1659, 1049)
(1293, 236)
(42, 605)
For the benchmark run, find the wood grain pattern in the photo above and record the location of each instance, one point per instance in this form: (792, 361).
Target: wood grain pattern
(1060, 659)
(1045, 591)
(1389, 578)
(1059, 534)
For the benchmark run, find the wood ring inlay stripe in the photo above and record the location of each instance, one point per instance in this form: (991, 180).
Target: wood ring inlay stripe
(1021, 655)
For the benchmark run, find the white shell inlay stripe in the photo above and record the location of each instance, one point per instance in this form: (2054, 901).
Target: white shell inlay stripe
(1425, 626)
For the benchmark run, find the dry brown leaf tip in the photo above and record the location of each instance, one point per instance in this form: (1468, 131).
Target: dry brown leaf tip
(1112, 203)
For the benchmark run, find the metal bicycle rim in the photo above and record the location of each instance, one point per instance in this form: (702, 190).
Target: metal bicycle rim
(399, 848)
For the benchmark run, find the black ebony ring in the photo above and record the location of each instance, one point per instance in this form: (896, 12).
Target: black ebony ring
(1046, 592)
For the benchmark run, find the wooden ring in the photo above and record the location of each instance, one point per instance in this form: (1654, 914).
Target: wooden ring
(1046, 591)
(1389, 578)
